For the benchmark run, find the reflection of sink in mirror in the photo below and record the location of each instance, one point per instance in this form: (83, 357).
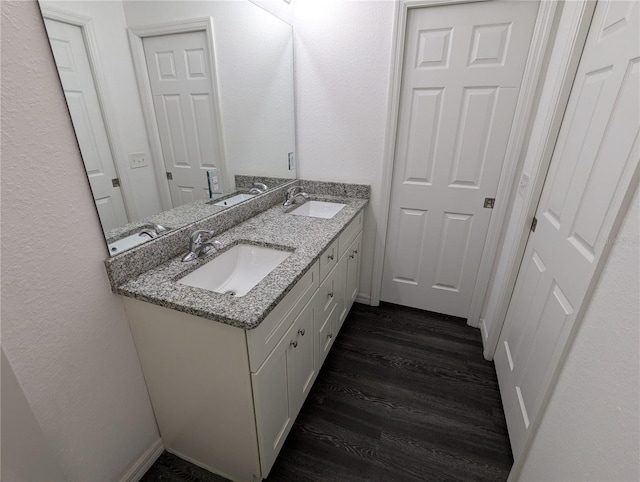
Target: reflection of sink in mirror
(318, 209)
(236, 271)
(128, 242)
(233, 200)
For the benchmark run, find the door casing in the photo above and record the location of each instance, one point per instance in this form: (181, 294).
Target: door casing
(519, 133)
(86, 26)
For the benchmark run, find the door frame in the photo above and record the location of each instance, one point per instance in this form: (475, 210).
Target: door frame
(553, 114)
(517, 139)
(85, 24)
(136, 36)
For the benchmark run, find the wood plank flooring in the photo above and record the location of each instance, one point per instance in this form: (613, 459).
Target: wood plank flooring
(404, 395)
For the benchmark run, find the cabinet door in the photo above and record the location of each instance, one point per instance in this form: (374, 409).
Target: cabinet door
(325, 332)
(274, 415)
(301, 368)
(282, 384)
(353, 270)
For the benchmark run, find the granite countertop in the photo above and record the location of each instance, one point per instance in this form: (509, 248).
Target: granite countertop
(306, 237)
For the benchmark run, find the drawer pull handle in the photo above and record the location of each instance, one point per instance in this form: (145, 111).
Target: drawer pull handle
(355, 252)
(352, 255)
(330, 257)
(301, 332)
(330, 335)
(331, 295)
(294, 343)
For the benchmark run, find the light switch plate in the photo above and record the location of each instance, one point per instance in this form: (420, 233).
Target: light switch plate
(138, 159)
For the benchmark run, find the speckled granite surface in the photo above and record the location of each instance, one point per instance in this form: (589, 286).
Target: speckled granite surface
(153, 253)
(306, 236)
(190, 213)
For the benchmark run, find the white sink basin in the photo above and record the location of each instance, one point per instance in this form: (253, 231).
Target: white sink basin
(318, 209)
(233, 200)
(127, 242)
(237, 270)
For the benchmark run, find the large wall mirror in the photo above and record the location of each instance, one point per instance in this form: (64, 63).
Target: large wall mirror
(180, 108)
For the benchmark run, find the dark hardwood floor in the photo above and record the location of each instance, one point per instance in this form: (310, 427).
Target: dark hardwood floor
(404, 395)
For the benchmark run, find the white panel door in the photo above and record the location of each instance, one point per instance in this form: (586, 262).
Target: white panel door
(72, 61)
(183, 89)
(592, 168)
(463, 67)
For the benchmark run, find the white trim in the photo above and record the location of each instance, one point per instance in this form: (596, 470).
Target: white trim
(113, 138)
(535, 61)
(553, 112)
(483, 330)
(144, 462)
(136, 35)
(363, 298)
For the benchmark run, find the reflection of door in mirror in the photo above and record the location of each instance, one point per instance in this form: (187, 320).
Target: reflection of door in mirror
(72, 61)
(183, 88)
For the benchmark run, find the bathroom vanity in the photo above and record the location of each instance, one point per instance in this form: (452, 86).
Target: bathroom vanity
(227, 375)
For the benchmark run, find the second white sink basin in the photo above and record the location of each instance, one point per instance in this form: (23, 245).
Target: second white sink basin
(236, 271)
(233, 200)
(318, 209)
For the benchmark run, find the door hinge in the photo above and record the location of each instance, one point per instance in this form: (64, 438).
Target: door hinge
(534, 223)
(115, 182)
(489, 202)
(169, 176)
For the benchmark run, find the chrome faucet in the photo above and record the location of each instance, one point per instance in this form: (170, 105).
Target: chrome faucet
(258, 188)
(293, 193)
(153, 230)
(201, 243)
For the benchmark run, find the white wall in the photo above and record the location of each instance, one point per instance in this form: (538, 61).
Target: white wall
(63, 331)
(122, 105)
(26, 456)
(253, 55)
(342, 70)
(590, 430)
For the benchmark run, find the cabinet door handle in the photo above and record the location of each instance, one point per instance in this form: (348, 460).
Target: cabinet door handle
(294, 343)
(355, 252)
(352, 255)
(330, 335)
(330, 257)
(301, 332)
(331, 295)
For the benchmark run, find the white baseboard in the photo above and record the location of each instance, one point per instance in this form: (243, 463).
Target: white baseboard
(363, 298)
(483, 331)
(144, 463)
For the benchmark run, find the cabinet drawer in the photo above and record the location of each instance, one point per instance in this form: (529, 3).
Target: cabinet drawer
(262, 340)
(328, 260)
(328, 294)
(348, 235)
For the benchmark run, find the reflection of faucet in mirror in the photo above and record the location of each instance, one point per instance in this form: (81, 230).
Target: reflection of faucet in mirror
(139, 173)
(258, 188)
(199, 245)
(152, 230)
(293, 193)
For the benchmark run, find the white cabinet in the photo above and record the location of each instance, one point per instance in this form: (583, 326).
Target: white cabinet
(226, 398)
(282, 384)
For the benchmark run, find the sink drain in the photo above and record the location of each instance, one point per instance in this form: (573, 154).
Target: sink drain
(230, 293)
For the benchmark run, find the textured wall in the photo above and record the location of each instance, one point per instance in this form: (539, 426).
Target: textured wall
(342, 59)
(63, 331)
(590, 428)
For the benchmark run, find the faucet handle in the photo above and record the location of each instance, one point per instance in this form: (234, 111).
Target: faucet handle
(197, 236)
(293, 190)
